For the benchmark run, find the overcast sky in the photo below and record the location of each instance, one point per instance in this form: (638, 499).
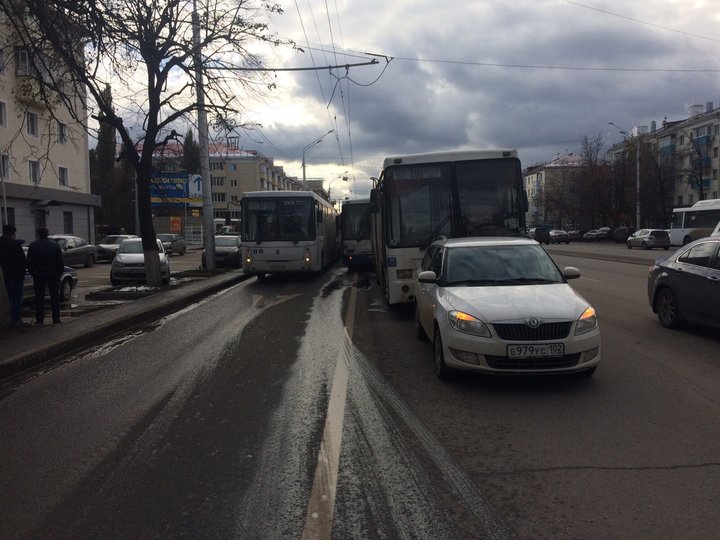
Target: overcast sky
(534, 75)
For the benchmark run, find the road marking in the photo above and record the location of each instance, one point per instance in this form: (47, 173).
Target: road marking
(319, 517)
(259, 301)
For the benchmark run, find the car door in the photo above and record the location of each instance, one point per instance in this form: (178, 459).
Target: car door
(424, 291)
(711, 298)
(693, 288)
(70, 253)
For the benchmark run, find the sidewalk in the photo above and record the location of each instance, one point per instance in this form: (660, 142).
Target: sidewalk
(25, 347)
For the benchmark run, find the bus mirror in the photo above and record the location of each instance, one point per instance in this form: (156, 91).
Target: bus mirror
(373, 200)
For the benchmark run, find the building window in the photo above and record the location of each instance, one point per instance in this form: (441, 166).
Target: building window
(233, 197)
(691, 199)
(22, 62)
(3, 112)
(68, 222)
(34, 171)
(217, 181)
(10, 216)
(63, 176)
(680, 200)
(715, 151)
(233, 183)
(5, 166)
(217, 166)
(61, 133)
(218, 197)
(31, 123)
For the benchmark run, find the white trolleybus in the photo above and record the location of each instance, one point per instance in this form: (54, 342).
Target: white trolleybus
(355, 229)
(693, 222)
(454, 194)
(287, 231)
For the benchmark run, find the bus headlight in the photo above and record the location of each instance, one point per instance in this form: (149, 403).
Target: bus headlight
(307, 256)
(248, 256)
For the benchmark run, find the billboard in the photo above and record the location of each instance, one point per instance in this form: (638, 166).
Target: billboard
(176, 189)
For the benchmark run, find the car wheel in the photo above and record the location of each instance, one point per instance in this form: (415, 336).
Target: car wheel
(629, 245)
(443, 372)
(419, 332)
(645, 246)
(667, 309)
(65, 290)
(90, 261)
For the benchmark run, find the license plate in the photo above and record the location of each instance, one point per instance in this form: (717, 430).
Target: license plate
(275, 266)
(535, 350)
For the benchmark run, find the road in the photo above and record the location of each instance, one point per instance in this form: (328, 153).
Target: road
(299, 406)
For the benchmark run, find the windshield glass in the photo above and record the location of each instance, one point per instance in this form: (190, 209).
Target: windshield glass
(356, 221)
(225, 242)
(418, 203)
(279, 219)
(501, 265)
(112, 240)
(130, 247)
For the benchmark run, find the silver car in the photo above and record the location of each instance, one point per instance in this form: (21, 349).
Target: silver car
(174, 243)
(649, 239)
(107, 247)
(501, 305)
(129, 263)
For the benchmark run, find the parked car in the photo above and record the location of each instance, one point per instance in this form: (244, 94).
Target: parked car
(68, 282)
(576, 234)
(501, 305)
(649, 238)
(227, 252)
(108, 246)
(174, 243)
(686, 285)
(590, 236)
(76, 250)
(129, 263)
(604, 233)
(716, 231)
(621, 234)
(541, 233)
(558, 236)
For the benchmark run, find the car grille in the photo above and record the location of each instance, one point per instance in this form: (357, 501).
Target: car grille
(522, 332)
(548, 362)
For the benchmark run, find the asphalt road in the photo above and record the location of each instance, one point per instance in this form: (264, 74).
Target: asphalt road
(308, 405)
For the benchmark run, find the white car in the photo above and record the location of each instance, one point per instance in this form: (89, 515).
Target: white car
(129, 263)
(501, 305)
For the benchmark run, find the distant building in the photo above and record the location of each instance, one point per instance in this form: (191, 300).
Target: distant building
(547, 185)
(44, 166)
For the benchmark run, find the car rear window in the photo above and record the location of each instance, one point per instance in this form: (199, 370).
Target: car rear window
(659, 234)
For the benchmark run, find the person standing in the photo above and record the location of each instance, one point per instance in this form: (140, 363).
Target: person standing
(12, 259)
(45, 264)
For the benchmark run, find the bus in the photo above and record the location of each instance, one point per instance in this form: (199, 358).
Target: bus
(420, 197)
(693, 222)
(287, 231)
(355, 229)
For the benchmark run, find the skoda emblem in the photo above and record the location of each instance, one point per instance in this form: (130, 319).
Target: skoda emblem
(533, 322)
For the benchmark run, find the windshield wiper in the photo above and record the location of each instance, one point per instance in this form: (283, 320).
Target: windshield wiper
(537, 280)
(473, 282)
(436, 230)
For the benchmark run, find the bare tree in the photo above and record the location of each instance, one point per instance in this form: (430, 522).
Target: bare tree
(146, 50)
(693, 163)
(594, 188)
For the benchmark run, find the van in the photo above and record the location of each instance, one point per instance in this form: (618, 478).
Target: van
(621, 234)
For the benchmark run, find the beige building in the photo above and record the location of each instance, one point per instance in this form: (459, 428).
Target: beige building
(44, 167)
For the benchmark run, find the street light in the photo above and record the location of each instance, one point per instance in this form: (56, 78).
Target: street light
(316, 141)
(637, 173)
(341, 177)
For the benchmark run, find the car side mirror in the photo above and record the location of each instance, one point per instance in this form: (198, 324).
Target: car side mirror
(570, 272)
(427, 276)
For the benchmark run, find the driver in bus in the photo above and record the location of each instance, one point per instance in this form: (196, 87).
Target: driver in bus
(294, 228)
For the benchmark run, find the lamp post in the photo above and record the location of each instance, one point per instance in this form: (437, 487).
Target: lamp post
(637, 173)
(316, 141)
(341, 177)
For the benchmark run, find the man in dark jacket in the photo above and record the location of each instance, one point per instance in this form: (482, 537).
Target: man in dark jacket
(45, 264)
(12, 260)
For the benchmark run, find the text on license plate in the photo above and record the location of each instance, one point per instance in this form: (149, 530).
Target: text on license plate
(535, 350)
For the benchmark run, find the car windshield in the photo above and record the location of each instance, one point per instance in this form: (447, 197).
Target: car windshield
(130, 247)
(61, 241)
(500, 265)
(225, 242)
(165, 237)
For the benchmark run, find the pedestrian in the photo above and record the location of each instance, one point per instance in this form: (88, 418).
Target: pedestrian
(12, 259)
(45, 264)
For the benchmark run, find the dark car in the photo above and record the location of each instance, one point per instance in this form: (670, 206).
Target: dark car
(621, 234)
(68, 281)
(576, 234)
(107, 247)
(227, 252)
(76, 250)
(173, 243)
(541, 233)
(604, 233)
(558, 235)
(686, 285)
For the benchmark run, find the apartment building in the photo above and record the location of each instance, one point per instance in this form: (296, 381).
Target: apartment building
(44, 168)
(548, 187)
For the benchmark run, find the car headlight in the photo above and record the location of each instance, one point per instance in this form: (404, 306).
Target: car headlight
(117, 264)
(586, 322)
(467, 324)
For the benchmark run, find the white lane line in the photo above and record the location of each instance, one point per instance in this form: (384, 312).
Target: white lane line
(318, 520)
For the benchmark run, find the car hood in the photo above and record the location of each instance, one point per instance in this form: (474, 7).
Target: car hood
(134, 258)
(224, 250)
(517, 302)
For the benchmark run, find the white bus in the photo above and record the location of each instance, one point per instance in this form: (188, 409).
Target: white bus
(355, 229)
(693, 222)
(287, 231)
(422, 196)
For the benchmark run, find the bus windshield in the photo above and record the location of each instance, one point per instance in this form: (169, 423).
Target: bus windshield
(356, 221)
(278, 219)
(465, 198)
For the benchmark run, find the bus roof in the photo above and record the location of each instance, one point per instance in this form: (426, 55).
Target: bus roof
(706, 204)
(455, 155)
(286, 194)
